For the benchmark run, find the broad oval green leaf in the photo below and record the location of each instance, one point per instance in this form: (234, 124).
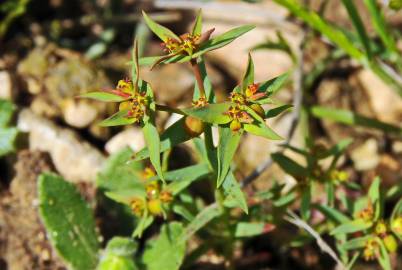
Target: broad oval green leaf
(69, 222)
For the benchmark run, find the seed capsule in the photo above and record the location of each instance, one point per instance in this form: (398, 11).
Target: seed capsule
(193, 126)
(125, 105)
(155, 207)
(396, 226)
(258, 109)
(235, 125)
(390, 243)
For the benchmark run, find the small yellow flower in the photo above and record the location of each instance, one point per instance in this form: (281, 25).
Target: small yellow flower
(380, 228)
(155, 207)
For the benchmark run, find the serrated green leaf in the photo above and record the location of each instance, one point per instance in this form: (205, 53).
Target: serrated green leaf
(277, 111)
(103, 96)
(352, 226)
(228, 143)
(201, 219)
(211, 113)
(197, 28)
(289, 166)
(261, 129)
(118, 119)
(69, 222)
(162, 32)
(152, 140)
(249, 229)
(248, 77)
(166, 252)
(234, 195)
(173, 135)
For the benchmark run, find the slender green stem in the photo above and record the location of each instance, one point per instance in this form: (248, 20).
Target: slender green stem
(198, 77)
(166, 108)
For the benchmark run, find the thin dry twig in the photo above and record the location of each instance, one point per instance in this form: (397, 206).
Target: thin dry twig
(297, 221)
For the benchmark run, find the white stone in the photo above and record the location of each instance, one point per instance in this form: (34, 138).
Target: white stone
(79, 113)
(131, 137)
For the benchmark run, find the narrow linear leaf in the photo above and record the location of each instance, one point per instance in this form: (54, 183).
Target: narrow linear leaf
(103, 96)
(350, 118)
(289, 166)
(277, 111)
(352, 226)
(248, 77)
(332, 214)
(118, 119)
(228, 143)
(357, 243)
(306, 203)
(358, 24)
(69, 222)
(234, 195)
(201, 219)
(273, 85)
(162, 32)
(261, 129)
(152, 140)
(173, 135)
(383, 257)
(249, 229)
(197, 28)
(182, 178)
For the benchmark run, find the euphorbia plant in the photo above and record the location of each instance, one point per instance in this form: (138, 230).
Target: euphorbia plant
(241, 112)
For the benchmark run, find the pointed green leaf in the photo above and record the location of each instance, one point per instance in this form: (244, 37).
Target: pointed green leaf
(357, 243)
(374, 194)
(234, 195)
(352, 226)
(249, 229)
(103, 96)
(273, 85)
(206, 215)
(182, 178)
(145, 221)
(289, 166)
(162, 32)
(277, 111)
(152, 140)
(69, 222)
(197, 28)
(211, 113)
(332, 214)
(383, 257)
(173, 135)
(248, 77)
(118, 119)
(337, 149)
(351, 118)
(262, 130)
(7, 140)
(228, 143)
(125, 196)
(305, 203)
(166, 252)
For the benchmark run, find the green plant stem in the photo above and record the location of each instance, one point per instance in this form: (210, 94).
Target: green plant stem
(198, 77)
(166, 108)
